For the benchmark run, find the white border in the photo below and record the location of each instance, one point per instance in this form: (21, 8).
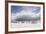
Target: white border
(19, 4)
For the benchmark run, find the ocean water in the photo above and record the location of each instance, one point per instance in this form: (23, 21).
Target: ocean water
(26, 24)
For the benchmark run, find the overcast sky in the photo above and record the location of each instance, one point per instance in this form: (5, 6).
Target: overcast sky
(15, 9)
(32, 11)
